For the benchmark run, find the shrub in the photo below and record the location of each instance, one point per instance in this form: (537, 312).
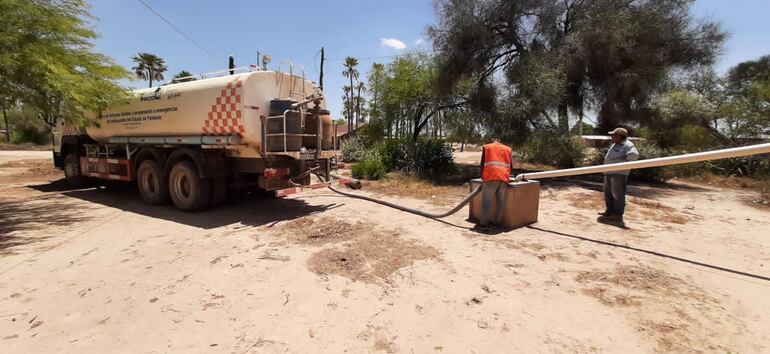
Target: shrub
(372, 169)
(554, 150)
(757, 166)
(30, 133)
(355, 149)
(428, 158)
(649, 150)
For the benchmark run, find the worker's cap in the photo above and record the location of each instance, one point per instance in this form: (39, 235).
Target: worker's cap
(619, 131)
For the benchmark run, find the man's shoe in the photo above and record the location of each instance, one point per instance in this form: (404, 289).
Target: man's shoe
(612, 219)
(604, 213)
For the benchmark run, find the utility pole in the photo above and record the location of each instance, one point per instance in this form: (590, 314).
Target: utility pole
(321, 78)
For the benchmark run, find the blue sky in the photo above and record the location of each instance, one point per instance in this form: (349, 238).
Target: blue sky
(296, 30)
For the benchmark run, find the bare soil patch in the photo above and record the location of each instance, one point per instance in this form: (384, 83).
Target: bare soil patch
(372, 256)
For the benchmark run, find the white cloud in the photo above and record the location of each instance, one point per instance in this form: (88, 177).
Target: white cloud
(420, 41)
(393, 43)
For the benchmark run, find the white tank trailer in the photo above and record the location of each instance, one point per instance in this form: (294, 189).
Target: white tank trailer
(192, 142)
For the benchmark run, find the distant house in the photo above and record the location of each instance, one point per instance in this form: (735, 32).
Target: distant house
(341, 132)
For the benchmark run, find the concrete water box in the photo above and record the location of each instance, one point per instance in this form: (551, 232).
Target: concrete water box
(522, 201)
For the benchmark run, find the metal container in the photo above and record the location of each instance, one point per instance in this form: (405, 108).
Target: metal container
(522, 201)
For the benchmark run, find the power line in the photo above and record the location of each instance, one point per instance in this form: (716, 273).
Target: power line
(385, 56)
(218, 58)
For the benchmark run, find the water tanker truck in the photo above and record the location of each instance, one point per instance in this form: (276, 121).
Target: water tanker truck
(192, 142)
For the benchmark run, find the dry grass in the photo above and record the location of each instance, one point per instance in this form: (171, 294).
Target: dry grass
(373, 257)
(357, 251)
(323, 230)
(638, 279)
(762, 186)
(399, 185)
(637, 289)
(25, 147)
(29, 170)
(709, 179)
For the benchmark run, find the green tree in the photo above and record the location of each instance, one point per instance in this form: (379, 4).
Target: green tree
(410, 99)
(375, 79)
(149, 67)
(360, 101)
(702, 109)
(352, 73)
(750, 72)
(183, 76)
(346, 104)
(608, 55)
(47, 61)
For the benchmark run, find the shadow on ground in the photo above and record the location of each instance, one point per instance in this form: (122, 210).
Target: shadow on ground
(247, 209)
(35, 214)
(635, 189)
(652, 253)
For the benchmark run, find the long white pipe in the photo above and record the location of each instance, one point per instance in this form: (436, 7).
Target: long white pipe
(661, 161)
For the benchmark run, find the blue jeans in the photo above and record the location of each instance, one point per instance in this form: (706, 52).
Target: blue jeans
(615, 194)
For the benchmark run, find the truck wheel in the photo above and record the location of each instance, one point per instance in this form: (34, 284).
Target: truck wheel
(72, 171)
(188, 191)
(218, 191)
(152, 186)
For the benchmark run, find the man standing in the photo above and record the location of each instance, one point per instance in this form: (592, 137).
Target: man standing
(621, 150)
(496, 164)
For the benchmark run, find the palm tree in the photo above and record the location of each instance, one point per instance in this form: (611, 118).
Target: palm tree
(149, 67)
(351, 73)
(360, 87)
(183, 76)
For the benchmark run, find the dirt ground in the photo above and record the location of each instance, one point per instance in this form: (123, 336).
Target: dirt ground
(96, 270)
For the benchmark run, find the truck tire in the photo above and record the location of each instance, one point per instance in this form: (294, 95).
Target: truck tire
(152, 185)
(71, 167)
(188, 191)
(218, 191)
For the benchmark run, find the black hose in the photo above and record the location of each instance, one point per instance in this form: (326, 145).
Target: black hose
(410, 210)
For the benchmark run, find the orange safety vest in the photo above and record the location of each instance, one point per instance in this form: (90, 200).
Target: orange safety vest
(497, 162)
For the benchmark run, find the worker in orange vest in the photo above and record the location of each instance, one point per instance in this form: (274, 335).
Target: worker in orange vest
(496, 165)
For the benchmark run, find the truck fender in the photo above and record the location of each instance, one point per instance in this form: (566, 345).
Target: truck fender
(210, 164)
(150, 153)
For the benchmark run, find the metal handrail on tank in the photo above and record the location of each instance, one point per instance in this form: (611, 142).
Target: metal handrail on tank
(295, 106)
(279, 78)
(294, 84)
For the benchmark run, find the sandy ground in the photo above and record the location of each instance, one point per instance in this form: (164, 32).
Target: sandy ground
(95, 270)
(8, 156)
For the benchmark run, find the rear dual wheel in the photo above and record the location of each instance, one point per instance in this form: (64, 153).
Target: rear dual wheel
(188, 191)
(153, 186)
